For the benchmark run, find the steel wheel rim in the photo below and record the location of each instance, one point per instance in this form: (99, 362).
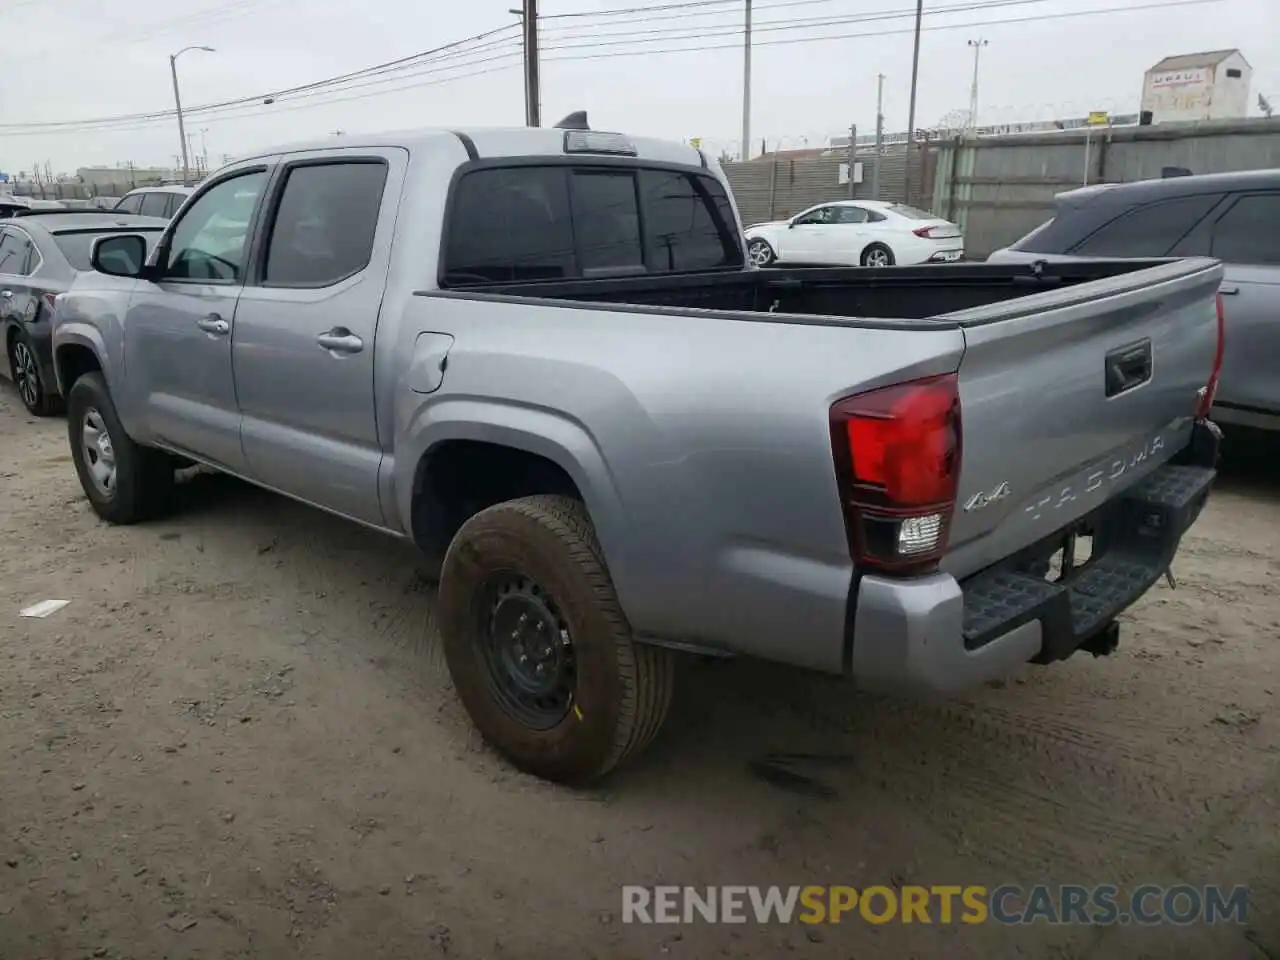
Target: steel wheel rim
(26, 374)
(99, 452)
(877, 258)
(759, 253)
(528, 654)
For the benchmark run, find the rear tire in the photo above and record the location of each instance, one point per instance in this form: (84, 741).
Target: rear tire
(538, 647)
(877, 255)
(24, 368)
(124, 481)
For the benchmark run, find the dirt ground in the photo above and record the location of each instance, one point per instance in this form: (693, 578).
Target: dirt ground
(239, 740)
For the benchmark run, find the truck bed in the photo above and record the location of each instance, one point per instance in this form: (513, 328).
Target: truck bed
(826, 294)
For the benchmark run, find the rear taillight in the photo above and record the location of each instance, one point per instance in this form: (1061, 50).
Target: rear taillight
(925, 233)
(897, 454)
(1204, 399)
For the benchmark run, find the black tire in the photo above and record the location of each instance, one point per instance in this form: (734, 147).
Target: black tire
(877, 248)
(143, 480)
(620, 690)
(24, 368)
(761, 253)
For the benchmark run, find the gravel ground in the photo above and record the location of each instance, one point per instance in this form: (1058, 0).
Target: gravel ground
(239, 740)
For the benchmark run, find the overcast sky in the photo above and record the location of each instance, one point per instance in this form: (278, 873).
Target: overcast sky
(74, 60)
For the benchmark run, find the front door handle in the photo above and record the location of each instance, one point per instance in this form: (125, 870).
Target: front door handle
(214, 324)
(1228, 291)
(340, 340)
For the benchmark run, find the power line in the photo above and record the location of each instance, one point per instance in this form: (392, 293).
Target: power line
(441, 53)
(707, 32)
(1163, 4)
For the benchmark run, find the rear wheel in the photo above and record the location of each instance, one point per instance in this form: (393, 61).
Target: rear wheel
(537, 645)
(761, 253)
(25, 370)
(124, 481)
(877, 255)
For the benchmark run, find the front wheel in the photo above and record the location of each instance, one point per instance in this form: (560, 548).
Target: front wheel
(124, 481)
(25, 370)
(538, 647)
(877, 255)
(761, 253)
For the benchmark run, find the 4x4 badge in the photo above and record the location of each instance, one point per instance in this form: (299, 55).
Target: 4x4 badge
(983, 499)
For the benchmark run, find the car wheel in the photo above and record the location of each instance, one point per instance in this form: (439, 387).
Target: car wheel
(124, 481)
(538, 647)
(761, 253)
(877, 255)
(25, 370)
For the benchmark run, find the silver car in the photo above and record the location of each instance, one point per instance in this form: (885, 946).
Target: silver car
(1230, 216)
(162, 201)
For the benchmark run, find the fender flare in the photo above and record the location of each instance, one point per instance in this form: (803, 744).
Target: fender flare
(81, 335)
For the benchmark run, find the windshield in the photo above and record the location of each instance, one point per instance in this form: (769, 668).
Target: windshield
(76, 246)
(911, 213)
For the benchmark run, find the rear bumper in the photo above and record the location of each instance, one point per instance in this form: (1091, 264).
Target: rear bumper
(936, 634)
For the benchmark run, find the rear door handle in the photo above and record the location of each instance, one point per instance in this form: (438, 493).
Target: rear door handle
(1228, 291)
(340, 340)
(1128, 367)
(214, 324)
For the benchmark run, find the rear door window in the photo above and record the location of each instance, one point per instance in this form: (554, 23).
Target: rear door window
(1248, 233)
(1151, 230)
(131, 203)
(15, 249)
(325, 223)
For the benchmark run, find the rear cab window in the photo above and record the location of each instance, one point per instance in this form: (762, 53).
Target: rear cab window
(562, 221)
(155, 204)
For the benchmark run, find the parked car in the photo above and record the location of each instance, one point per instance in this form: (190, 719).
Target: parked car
(542, 356)
(41, 252)
(162, 201)
(1232, 216)
(868, 233)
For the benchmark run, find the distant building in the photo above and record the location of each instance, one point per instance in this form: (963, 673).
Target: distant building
(124, 179)
(1198, 86)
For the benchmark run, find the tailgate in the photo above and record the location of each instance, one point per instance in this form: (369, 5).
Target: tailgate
(1070, 397)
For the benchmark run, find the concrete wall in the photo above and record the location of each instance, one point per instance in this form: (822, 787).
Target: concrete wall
(769, 189)
(1000, 188)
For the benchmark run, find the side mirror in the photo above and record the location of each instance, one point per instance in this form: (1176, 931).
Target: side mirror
(119, 255)
(790, 224)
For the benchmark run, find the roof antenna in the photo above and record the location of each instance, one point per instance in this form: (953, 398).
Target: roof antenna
(574, 121)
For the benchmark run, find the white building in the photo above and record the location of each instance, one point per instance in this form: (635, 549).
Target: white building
(1198, 86)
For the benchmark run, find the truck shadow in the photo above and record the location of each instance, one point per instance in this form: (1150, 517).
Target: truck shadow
(1054, 773)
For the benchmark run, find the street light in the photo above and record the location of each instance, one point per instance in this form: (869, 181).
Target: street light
(973, 90)
(177, 100)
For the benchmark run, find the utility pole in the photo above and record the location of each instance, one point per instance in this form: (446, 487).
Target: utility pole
(528, 15)
(853, 153)
(973, 90)
(911, 110)
(177, 102)
(875, 171)
(746, 86)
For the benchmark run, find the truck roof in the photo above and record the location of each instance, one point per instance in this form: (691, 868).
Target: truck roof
(485, 142)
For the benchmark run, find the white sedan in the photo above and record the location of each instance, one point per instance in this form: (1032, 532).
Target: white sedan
(868, 233)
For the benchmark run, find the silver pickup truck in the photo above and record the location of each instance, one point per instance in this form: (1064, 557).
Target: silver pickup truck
(540, 355)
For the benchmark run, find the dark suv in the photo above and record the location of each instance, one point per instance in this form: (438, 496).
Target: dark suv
(1232, 216)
